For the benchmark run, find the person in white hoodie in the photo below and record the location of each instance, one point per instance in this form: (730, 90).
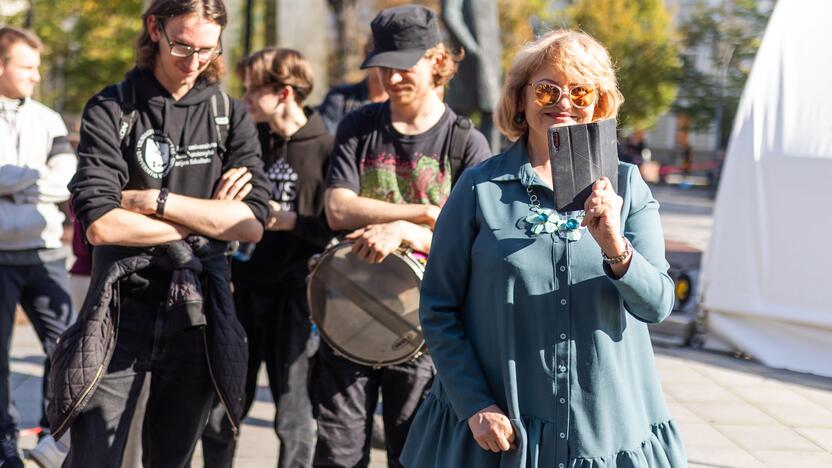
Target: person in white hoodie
(36, 163)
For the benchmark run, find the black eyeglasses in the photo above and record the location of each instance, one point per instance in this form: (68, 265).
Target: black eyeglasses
(205, 54)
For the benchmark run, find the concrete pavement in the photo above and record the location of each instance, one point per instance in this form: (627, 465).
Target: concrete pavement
(257, 445)
(687, 215)
(737, 413)
(732, 412)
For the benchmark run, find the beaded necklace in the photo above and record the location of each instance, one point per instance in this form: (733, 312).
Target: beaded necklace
(539, 220)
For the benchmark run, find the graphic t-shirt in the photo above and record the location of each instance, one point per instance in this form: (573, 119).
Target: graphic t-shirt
(296, 168)
(375, 161)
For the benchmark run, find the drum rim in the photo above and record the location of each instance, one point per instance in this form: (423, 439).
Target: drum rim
(412, 263)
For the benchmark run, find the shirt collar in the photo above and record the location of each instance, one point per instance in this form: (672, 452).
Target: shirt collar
(515, 165)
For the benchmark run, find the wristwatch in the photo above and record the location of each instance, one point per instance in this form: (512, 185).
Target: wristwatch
(628, 250)
(160, 202)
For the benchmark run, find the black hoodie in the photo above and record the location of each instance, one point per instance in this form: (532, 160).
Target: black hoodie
(173, 144)
(182, 128)
(296, 167)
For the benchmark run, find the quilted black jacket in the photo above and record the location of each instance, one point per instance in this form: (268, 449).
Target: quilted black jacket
(199, 295)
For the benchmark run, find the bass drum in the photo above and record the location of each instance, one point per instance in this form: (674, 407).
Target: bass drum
(369, 313)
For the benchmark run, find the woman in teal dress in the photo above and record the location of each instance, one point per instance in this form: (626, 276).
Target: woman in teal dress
(538, 324)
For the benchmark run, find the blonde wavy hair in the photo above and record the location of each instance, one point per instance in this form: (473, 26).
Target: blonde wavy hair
(576, 55)
(447, 66)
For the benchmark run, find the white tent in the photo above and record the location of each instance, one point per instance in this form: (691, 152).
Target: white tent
(767, 273)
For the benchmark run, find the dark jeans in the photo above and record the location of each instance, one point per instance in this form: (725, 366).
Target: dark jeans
(181, 394)
(43, 292)
(278, 329)
(344, 396)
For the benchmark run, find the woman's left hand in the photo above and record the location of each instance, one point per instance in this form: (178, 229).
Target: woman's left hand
(603, 217)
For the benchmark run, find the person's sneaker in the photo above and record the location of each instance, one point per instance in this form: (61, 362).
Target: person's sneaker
(9, 455)
(48, 453)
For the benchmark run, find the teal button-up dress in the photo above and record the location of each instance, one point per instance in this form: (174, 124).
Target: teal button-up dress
(538, 326)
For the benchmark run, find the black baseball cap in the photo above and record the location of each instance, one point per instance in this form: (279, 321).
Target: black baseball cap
(401, 36)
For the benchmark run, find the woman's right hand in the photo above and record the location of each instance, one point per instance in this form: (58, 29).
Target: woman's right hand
(492, 430)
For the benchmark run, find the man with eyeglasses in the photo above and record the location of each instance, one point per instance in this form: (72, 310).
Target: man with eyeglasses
(169, 173)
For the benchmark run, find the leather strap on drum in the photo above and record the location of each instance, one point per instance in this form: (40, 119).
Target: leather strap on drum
(366, 302)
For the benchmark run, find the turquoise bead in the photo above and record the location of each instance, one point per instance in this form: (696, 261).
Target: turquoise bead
(543, 217)
(572, 224)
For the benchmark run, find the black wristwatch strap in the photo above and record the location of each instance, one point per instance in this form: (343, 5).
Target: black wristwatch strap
(160, 202)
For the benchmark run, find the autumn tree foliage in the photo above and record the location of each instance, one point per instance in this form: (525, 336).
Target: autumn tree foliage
(640, 37)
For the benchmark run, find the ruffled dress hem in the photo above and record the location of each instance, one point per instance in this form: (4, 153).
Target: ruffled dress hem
(437, 438)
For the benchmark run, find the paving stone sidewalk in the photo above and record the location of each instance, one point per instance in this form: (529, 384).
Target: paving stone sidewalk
(733, 413)
(257, 445)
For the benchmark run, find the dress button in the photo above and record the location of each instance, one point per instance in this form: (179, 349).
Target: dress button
(563, 302)
(562, 268)
(562, 400)
(562, 368)
(560, 465)
(562, 435)
(563, 336)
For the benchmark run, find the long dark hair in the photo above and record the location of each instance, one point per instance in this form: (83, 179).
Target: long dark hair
(213, 10)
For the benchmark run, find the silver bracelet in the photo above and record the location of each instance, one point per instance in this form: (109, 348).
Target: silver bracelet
(628, 251)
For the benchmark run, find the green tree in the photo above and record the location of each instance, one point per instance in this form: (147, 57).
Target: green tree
(517, 24)
(642, 42)
(89, 44)
(721, 41)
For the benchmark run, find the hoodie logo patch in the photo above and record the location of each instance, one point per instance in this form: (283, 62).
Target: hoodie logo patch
(284, 185)
(153, 151)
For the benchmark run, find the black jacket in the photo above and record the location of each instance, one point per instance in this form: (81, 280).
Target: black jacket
(341, 100)
(172, 144)
(198, 295)
(296, 168)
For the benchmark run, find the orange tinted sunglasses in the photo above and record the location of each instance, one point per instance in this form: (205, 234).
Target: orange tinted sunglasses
(548, 94)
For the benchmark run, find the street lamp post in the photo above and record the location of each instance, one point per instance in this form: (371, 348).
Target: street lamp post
(720, 111)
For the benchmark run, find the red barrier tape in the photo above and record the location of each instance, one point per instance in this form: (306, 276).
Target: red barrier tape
(665, 170)
(32, 431)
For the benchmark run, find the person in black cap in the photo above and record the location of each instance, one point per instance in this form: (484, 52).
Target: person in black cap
(390, 172)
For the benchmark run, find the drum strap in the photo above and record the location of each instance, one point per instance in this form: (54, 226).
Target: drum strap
(366, 302)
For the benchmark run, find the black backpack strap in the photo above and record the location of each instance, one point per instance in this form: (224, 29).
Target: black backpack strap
(456, 146)
(126, 94)
(220, 108)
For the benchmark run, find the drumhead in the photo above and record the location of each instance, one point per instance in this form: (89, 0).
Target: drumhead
(369, 313)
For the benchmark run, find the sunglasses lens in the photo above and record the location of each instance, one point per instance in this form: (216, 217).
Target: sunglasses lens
(582, 96)
(546, 94)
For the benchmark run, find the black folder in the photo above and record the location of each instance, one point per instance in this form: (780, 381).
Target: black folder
(580, 155)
